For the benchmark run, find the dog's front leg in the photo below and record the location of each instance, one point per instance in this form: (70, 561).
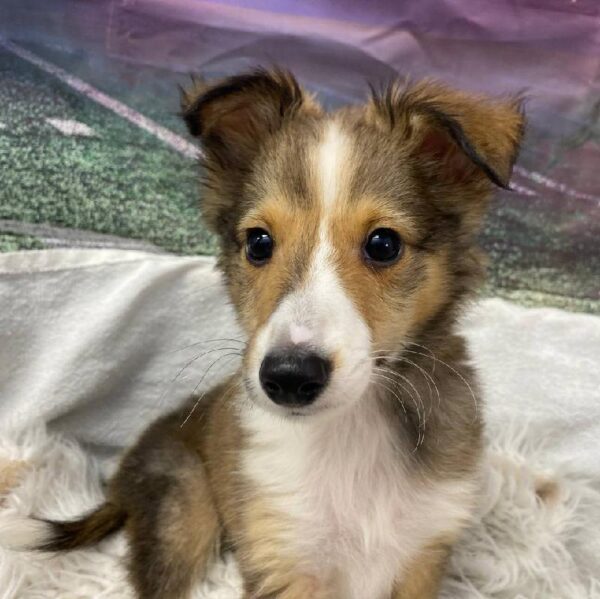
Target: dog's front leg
(270, 570)
(423, 578)
(172, 523)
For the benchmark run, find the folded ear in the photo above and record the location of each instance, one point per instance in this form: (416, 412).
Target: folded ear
(232, 117)
(462, 136)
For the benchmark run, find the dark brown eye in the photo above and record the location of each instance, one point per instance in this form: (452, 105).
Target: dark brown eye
(383, 246)
(259, 246)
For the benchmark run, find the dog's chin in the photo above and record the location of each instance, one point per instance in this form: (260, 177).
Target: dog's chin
(260, 401)
(292, 413)
(324, 408)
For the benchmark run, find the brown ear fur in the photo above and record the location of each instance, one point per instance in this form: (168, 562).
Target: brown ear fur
(465, 135)
(234, 119)
(233, 116)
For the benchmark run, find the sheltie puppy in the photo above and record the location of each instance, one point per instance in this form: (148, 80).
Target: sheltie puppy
(341, 461)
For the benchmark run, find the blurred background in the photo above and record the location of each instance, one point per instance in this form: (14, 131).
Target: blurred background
(93, 154)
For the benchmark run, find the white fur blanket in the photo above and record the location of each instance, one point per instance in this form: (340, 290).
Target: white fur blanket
(87, 350)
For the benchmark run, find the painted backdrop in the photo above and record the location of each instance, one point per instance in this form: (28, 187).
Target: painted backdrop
(76, 171)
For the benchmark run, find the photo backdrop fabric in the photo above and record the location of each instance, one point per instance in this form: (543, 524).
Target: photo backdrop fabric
(124, 183)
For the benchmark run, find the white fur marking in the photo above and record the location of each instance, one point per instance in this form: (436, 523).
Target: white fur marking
(300, 334)
(353, 508)
(22, 534)
(332, 155)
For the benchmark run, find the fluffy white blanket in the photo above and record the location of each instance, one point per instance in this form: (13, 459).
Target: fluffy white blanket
(91, 341)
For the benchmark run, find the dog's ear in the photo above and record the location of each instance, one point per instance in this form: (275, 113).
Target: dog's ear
(232, 117)
(460, 137)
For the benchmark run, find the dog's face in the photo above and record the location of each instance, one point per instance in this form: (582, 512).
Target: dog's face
(343, 235)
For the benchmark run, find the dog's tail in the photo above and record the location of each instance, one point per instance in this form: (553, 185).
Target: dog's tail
(26, 534)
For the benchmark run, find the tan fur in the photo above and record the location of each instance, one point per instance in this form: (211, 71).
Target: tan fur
(11, 472)
(376, 292)
(548, 491)
(424, 575)
(494, 127)
(264, 560)
(191, 509)
(434, 292)
(296, 228)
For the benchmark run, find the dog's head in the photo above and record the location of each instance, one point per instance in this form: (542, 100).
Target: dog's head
(345, 234)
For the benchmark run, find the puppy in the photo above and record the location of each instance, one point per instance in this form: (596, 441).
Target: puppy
(341, 460)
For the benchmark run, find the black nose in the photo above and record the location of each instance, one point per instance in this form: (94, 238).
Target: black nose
(294, 377)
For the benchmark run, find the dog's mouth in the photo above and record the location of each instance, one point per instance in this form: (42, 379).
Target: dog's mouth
(291, 410)
(303, 412)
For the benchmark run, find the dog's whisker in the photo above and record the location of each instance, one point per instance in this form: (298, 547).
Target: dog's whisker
(420, 415)
(428, 350)
(200, 382)
(233, 353)
(425, 374)
(380, 376)
(428, 379)
(226, 396)
(396, 358)
(407, 380)
(205, 341)
(189, 363)
(403, 345)
(388, 388)
(453, 370)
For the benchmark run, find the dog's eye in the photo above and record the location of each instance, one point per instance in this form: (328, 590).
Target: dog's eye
(383, 246)
(259, 246)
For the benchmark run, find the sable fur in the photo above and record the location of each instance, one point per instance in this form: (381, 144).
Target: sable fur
(422, 158)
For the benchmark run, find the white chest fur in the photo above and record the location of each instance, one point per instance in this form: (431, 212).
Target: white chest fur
(356, 513)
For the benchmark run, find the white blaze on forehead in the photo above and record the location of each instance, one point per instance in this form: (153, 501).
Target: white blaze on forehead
(333, 154)
(338, 320)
